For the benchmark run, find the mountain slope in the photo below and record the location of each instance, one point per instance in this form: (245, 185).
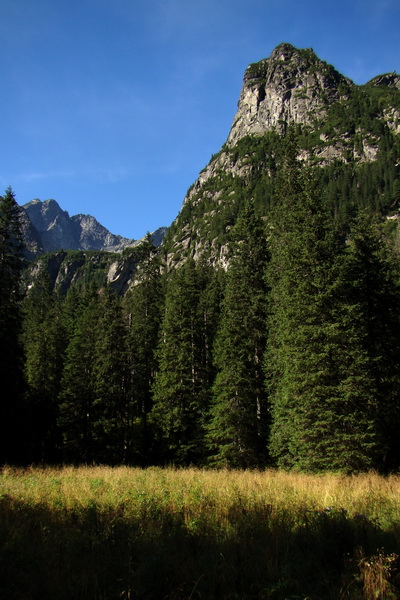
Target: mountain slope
(351, 132)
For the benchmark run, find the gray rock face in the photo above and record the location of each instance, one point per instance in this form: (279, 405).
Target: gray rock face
(52, 225)
(47, 228)
(93, 236)
(65, 269)
(291, 86)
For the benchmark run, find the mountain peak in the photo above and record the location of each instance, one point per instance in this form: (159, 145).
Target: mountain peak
(48, 228)
(286, 51)
(335, 120)
(292, 86)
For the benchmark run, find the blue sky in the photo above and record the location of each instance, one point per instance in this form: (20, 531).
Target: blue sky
(112, 107)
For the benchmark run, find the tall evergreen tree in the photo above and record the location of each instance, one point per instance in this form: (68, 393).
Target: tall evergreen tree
(111, 414)
(314, 424)
(237, 431)
(143, 305)
(12, 435)
(181, 390)
(370, 321)
(78, 389)
(44, 342)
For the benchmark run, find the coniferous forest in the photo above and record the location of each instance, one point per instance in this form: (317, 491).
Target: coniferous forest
(288, 357)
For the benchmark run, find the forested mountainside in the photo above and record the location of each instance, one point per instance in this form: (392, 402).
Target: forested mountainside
(350, 132)
(264, 331)
(77, 250)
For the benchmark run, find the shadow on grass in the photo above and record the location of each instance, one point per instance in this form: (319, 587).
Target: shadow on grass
(98, 553)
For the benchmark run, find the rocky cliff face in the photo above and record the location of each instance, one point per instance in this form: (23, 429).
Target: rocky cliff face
(336, 121)
(48, 228)
(77, 249)
(390, 80)
(80, 268)
(291, 86)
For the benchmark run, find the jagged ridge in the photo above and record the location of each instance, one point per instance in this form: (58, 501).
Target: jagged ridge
(48, 228)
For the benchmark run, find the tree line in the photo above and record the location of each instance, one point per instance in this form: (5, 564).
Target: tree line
(290, 357)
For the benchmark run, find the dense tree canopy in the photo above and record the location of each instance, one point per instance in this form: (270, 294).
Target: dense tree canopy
(287, 353)
(12, 413)
(237, 428)
(319, 380)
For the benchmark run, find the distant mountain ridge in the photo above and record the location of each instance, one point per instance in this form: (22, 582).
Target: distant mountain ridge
(48, 228)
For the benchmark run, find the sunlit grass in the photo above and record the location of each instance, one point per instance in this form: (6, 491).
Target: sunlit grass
(188, 533)
(369, 494)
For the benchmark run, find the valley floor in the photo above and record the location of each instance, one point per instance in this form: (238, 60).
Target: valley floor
(105, 533)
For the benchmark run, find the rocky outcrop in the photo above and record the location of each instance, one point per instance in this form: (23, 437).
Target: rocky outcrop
(66, 268)
(340, 126)
(390, 80)
(56, 230)
(291, 86)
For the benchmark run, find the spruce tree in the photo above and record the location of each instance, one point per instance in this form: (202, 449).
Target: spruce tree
(111, 423)
(44, 342)
(78, 389)
(181, 389)
(315, 424)
(370, 322)
(237, 431)
(12, 416)
(143, 305)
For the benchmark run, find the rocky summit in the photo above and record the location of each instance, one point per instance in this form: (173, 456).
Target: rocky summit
(291, 86)
(48, 228)
(350, 133)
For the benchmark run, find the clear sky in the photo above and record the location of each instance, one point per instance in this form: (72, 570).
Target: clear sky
(112, 107)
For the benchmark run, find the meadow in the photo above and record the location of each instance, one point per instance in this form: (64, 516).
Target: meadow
(101, 533)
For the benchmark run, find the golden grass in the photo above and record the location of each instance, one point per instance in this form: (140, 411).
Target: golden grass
(368, 494)
(101, 532)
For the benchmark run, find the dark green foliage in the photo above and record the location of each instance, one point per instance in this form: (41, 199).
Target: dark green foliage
(143, 305)
(237, 429)
(319, 419)
(182, 385)
(349, 187)
(95, 411)
(10, 247)
(78, 385)
(12, 422)
(164, 376)
(332, 355)
(44, 339)
(112, 421)
(369, 306)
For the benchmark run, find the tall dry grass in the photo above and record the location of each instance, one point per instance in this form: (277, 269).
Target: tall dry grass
(99, 532)
(369, 494)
